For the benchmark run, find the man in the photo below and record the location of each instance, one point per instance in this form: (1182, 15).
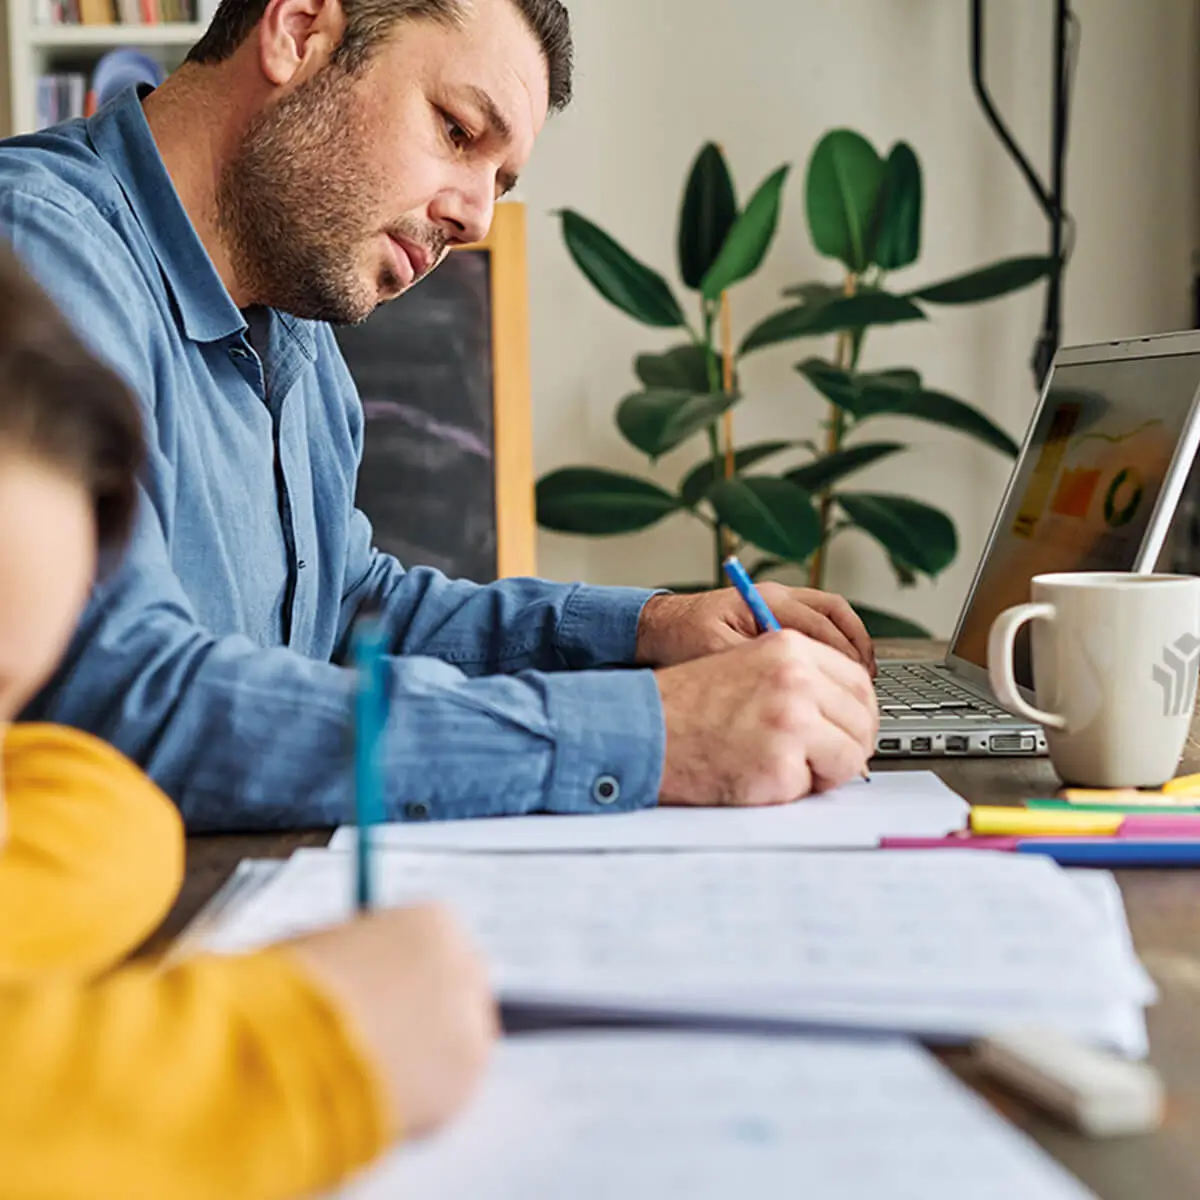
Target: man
(313, 159)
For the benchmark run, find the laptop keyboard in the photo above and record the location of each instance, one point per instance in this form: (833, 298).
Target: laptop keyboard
(916, 691)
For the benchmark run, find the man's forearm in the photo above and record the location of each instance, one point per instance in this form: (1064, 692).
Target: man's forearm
(248, 738)
(505, 627)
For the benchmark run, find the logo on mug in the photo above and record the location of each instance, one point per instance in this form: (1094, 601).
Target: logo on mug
(1177, 677)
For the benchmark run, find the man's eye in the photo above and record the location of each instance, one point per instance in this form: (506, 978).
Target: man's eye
(459, 137)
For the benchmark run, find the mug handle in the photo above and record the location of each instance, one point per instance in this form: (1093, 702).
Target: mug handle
(1001, 639)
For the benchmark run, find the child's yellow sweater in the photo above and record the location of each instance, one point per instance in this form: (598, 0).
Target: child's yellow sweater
(230, 1078)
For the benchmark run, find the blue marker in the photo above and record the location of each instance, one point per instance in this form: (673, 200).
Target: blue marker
(745, 585)
(370, 709)
(1115, 852)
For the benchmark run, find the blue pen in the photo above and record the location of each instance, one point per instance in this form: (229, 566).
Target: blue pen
(1115, 852)
(745, 585)
(369, 715)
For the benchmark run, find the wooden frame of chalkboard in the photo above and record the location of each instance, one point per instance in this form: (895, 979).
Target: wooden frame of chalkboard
(443, 374)
(512, 394)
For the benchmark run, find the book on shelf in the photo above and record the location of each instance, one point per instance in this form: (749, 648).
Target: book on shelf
(120, 12)
(61, 96)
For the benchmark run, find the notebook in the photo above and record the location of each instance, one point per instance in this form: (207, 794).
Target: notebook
(890, 804)
(939, 943)
(715, 1117)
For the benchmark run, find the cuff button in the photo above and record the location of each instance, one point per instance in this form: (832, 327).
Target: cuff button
(606, 790)
(417, 810)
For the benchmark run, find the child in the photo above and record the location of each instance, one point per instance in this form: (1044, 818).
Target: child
(267, 1075)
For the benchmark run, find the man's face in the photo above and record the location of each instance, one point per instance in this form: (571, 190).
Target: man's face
(349, 189)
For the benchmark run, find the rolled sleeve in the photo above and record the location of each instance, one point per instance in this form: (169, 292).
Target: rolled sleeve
(608, 754)
(599, 625)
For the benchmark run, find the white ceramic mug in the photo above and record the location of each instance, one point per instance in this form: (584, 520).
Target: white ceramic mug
(1115, 660)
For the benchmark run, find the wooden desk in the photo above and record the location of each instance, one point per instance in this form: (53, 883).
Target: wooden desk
(1164, 913)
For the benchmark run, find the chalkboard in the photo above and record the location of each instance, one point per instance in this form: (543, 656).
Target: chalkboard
(443, 374)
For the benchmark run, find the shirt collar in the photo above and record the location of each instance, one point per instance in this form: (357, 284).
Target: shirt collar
(121, 135)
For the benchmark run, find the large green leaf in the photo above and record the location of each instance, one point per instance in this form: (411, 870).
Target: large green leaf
(837, 386)
(882, 624)
(680, 367)
(699, 479)
(937, 408)
(845, 174)
(916, 535)
(898, 223)
(772, 514)
(815, 293)
(904, 378)
(850, 312)
(657, 421)
(987, 283)
(594, 501)
(749, 240)
(618, 276)
(707, 215)
(816, 476)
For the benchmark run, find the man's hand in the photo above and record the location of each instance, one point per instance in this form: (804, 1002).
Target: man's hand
(677, 629)
(767, 722)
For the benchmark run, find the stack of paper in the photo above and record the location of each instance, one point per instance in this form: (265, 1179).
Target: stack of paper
(715, 1117)
(938, 943)
(890, 804)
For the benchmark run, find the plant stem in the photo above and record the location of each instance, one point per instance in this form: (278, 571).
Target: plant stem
(729, 546)
(720, 534)
(844, 358)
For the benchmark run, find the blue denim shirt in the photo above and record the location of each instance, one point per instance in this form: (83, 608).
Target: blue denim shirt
(214, 654)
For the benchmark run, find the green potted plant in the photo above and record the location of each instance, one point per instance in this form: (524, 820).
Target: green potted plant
(864, 212)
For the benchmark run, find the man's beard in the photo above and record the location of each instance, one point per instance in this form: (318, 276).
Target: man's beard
(295, 202)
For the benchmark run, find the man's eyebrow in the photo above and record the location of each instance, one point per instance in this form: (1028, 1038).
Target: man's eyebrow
(499, 126)
(500, 129)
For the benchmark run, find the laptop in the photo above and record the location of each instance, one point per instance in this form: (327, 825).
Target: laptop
(1095, 487)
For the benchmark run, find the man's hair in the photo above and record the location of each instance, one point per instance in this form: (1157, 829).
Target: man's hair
(61, 405)
(368, 22)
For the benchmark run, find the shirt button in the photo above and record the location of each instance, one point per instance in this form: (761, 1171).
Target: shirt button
(606, 790)
(417, 810)
(238, 352)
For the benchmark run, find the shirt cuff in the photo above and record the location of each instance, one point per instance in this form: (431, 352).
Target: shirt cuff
(609, 742)
(598, 626)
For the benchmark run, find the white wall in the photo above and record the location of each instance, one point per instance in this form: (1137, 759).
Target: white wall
(766, 78)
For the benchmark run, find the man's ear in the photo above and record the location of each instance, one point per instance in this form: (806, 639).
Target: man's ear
(296, 38)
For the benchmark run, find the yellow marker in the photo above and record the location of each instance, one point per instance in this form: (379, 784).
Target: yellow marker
(1185, 785)
(1130, 796)
(1036, 822)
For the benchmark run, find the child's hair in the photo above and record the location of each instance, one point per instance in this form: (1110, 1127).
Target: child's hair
(59, 403)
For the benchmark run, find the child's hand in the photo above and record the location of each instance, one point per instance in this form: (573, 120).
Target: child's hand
(417, 991)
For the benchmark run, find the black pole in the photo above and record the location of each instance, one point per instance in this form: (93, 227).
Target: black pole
(1050, 200)
(1051, 337)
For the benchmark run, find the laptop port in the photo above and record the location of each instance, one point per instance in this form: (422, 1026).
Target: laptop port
(886, 744)
(957, 744)
(1012, 743)
(922, 745)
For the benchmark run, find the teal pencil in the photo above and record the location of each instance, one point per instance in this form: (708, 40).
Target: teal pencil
(369, 716)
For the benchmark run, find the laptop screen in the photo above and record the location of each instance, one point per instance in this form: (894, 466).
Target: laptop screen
(1085, 487)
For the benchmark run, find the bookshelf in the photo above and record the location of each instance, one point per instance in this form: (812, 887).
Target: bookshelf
(35, 49)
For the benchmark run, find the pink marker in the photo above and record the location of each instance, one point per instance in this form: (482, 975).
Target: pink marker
(951, 842)
(1147, 825)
